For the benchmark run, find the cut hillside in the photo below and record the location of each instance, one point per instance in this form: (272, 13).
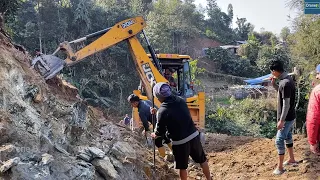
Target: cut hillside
(59, 136)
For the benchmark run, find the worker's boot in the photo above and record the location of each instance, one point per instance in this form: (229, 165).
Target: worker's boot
(162, 151)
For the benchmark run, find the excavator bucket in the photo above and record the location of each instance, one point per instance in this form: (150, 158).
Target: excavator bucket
(48, 65)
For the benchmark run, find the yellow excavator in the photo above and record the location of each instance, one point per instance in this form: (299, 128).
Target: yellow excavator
(149, 66)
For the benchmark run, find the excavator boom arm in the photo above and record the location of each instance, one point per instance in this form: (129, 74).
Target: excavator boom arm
(124, 30)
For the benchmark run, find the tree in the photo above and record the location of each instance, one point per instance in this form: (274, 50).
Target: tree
(169, 29)
(230, 12)
(285, 32)
(251, 49)
(266, 37)
(8, 9)
(243, 28)
(81, 18)
(219, 23)
(227, 63)
(296, 4)
(267, 54)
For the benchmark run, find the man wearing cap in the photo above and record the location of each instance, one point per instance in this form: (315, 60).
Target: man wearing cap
(313, 117)
(144, 107)
(174, 116)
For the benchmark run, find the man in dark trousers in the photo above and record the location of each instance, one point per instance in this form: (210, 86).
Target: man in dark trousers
(144, 107)
(286, 114)
(174, 116)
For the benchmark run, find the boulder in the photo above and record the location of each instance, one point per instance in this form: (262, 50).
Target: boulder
(123, 150)
(105, 168)
(46, 159)
(96, 152)
(8, 164)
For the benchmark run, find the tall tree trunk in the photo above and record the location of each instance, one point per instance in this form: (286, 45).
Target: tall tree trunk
(1, 21)
(39, 26)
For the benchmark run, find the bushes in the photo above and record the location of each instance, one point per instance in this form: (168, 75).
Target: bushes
(249, 117)
(228, 63)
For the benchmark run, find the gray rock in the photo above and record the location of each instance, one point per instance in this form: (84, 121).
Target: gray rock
(7, 151)
(36, 157)
(46, 159)
(116, 163)
(105, 168)
(123, 150)
(28, 171)
(85, 157)
(60, 149)
(110, 131)
(8, 164)
(65, 168)
(96, 152)
(3, 133)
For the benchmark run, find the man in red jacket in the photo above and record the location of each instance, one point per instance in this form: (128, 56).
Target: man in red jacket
(313, 117)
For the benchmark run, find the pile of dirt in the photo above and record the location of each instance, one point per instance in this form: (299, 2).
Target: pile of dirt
(232, 157)
(59, 136)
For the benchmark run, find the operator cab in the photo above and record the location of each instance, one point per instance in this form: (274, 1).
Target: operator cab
(177, 71)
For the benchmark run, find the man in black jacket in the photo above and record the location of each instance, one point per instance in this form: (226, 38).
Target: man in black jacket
(174, 116)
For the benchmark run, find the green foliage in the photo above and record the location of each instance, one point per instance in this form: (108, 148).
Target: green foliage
(8, 8)
(243, 29)
(219, 22)
(305, 53)
(250, 50)
(244, 117)
(228, 63)
(267, 54)
(169, 29)
(195, 71)
(284, 34)
(81, 17)
(266, 37)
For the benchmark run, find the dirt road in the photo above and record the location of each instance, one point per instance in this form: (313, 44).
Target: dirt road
(245, 158)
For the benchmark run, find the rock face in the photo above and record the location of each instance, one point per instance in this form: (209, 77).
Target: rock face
(41, 140)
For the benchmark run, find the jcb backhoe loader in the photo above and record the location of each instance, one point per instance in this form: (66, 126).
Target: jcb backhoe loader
(148, 66)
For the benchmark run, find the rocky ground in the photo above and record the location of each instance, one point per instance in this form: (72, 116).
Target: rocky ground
(57, 136)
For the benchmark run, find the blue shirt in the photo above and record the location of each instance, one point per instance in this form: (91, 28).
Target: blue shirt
(144, 113)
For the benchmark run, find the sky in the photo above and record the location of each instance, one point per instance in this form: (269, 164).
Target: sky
(272, 15)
